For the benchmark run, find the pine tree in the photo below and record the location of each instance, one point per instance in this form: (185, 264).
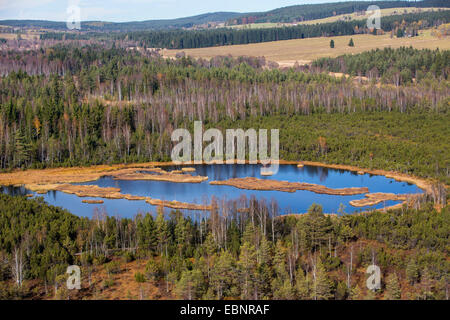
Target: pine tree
(341, 290)
(265, 271)
(332, 44)
(351, 43)
(321, 283)
(303, 285)
(317, 226)
(285, 291)
(181, 234)
(412, 271)
(393, 290)
(356, 293)
(223, 276)
(21, 149)
(190, 285)
(247, 266)
(425, 284)
(162, 231)
(279, 261)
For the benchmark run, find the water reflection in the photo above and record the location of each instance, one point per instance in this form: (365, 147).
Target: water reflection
(201, 193)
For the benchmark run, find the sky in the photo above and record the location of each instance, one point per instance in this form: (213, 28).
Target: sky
(133, 10)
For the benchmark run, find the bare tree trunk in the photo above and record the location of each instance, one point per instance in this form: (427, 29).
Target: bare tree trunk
(17, 267)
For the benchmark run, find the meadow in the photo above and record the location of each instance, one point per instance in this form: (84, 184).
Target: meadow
(341, 17)
(286, 53)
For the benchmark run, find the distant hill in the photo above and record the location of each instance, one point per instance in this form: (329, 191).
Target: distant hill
(287, 14)
(305, 12)
(188, 22)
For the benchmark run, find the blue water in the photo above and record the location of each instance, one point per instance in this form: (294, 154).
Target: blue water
(297, 202)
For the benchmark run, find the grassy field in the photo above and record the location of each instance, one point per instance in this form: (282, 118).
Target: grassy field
(31, 35)
(287, 53)
(342, 17)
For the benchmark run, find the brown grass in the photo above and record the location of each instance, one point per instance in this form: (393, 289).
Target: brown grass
(42, 181)
(179, 205)
(251, 183)
(341, 17)
(286, 53)
(125, 286)
(92, 201)
(372, 199)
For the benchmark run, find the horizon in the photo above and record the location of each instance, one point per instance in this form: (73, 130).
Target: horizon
(56, 11)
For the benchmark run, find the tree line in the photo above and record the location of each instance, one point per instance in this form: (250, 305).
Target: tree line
(186, 39)
(324, 10)
(243, 249)
(67, 106)
(395, 66)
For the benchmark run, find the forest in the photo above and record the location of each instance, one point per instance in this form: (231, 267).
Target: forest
(186, 39)
(79, 105)
(407, 63)
(67, 106)
(251, 254)
(287, 14)
(323, 10)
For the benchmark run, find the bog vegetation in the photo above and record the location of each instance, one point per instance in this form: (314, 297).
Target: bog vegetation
(76, 104)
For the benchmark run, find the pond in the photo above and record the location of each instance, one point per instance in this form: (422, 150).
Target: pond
(200, 193)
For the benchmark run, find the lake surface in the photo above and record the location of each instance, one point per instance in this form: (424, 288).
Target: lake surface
(297, 202)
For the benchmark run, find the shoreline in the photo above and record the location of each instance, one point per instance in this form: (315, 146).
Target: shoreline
(59, 179)
(422, 183)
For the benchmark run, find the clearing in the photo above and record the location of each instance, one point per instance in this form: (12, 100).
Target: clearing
(287, 52)
(342, 17)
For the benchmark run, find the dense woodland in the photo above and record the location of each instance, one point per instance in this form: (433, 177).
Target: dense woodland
(251, 254)
(287, 14)
(74, 104)
(408, 64)
(324, 10)
(79, 106)
(185, 39)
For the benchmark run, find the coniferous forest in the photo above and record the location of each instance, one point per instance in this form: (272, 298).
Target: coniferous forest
(186, 39)
(256, 255)
(68, 106)
(100, 98)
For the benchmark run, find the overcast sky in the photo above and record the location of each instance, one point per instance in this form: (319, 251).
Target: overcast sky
(134, 10)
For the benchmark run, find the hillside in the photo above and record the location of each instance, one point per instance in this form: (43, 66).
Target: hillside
(286, 53)
(306, 12)
(289, 14)
(103, 26)
(360, 15)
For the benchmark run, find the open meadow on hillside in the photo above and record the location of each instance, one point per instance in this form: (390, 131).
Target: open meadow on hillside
(340, 17)
(303, 51)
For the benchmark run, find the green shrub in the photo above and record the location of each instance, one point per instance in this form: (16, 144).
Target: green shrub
(128, 256)
(113, 267)
(139, 277)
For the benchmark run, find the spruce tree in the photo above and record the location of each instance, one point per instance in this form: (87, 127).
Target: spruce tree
(303, 285)
(248, 266)
(412, 271)
(321, 283)
(393, 290)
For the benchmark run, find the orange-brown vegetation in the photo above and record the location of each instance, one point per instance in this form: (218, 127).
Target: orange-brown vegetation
(251, 183)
